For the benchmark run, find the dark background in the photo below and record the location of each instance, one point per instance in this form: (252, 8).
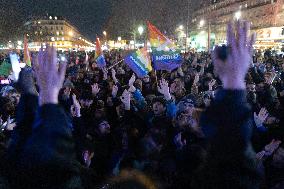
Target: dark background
(91, 17)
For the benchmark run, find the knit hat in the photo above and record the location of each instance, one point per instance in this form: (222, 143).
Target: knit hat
(185, 102)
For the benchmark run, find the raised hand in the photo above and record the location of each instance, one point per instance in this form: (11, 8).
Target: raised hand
(76, 106)
(105, 72)
(113, 75)
(232, 71)
(114, 91)
(131, 80)
(260, 117)
(179, 142)
(271, 78)
(95, 89)
(260, 155)
(113, 72)
(180, 72)
(49, 74)
(196, 79)
(131, 83)
(125, 99)
(10, 126)
(164, 89)
(211, 84)
(271, 147)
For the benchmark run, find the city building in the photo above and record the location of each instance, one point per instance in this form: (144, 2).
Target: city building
(208, 24)
(55, 31)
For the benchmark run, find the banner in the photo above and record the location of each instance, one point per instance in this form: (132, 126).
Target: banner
(165, 55)
(166, 60)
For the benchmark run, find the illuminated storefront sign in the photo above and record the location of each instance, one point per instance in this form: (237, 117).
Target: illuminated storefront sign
(272, 33)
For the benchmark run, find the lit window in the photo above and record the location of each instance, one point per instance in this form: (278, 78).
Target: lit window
(57, 33)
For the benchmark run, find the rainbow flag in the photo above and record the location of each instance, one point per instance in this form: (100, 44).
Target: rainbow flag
(165, 55)
(99, 56)
(139, 62)
(27, 58)
(159, 40)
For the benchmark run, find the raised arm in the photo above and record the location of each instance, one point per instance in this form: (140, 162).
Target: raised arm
(49, 155)
(227, 122)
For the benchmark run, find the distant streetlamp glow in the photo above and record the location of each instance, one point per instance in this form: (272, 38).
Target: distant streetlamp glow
(70, 33)
(119, 38)
(140, 30)
(201, 23)
(238, 15)
(105, 33)
(180, 27)
(20, 43)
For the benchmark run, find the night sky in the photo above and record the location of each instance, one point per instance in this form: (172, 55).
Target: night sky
(91, 17)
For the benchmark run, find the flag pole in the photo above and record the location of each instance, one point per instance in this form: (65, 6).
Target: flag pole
(109, 68)
(147, 36)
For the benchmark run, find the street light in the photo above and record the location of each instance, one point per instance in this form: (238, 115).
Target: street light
(140, 30)
(70, 33)
(180, 27)
(201, 23)
(20, 43)
(105, 33)
(238, 15)
(119, 38)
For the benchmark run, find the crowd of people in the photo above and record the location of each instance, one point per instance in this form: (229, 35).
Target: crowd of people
(215, 122)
